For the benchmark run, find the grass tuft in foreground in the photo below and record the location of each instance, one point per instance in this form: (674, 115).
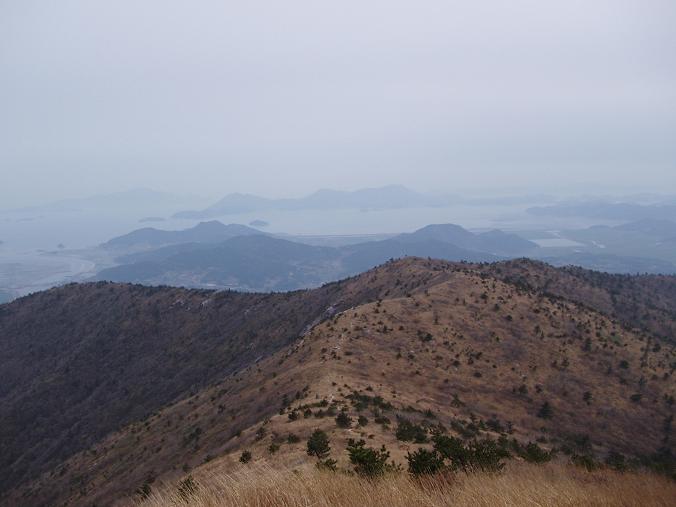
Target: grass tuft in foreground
(521, 484)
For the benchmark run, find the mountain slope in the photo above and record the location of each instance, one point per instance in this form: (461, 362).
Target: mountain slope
(204, 232)
(438, 343)
(641, 301)
(494, 242)
(363, 256)
(652, 227)
(261, 263)
(254, 262)
(82, 360)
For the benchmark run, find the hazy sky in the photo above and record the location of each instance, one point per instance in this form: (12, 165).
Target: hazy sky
(280, 98)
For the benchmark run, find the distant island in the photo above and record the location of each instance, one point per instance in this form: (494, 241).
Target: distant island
(607, 210)
(259, 223)
(387, 197)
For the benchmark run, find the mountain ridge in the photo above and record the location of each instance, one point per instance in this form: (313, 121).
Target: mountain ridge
(264, 262)
(456, 340)
(387, 197)
(204, 232)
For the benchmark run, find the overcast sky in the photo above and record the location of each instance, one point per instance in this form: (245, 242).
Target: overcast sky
(280, 98)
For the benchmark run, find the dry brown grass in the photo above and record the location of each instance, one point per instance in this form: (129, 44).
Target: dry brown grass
(444, 346)
(520, 485)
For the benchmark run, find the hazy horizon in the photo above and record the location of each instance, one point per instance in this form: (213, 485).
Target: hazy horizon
(205, 197)
(280, 100)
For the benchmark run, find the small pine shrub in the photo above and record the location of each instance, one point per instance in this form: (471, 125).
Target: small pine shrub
(545, 411)
(452, 449)
(636, 397)
(616, 461)
(368, 462)
(533, 453)
(318, 445)
(343, 420)
(409, 432)
(486, 456)
(424, 461)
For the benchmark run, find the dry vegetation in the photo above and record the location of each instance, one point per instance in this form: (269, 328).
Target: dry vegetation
(521, 485)
(448, 348)
(80, 361)
(642, 301)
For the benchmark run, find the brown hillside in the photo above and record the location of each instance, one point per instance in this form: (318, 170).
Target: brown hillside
(445, 346)
(80, 361)
(644, 301)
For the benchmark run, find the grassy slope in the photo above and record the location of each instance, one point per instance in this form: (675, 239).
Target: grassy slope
(644, 301)
(469, 369)
(520, 485)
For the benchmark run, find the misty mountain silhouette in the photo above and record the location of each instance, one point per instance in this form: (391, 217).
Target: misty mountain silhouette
(387, 197)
